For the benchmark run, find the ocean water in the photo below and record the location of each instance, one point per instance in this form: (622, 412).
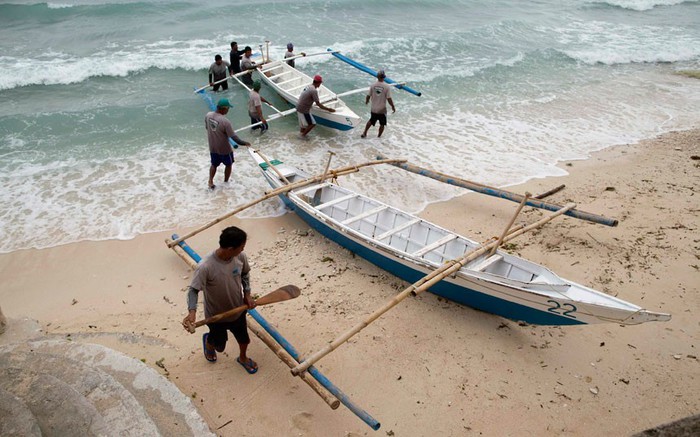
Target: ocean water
(101, 136)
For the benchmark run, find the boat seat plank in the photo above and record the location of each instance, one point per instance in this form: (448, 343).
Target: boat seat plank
(284, 82)
(310, 188)
(298, 87)
(484, 264)
(274, 76)
(336, 201)
(397, 229)
(430, 247)
(365, 214)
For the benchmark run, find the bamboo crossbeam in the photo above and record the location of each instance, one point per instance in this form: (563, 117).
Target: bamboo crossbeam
(287, 359)
(269, 165)
(510, 223)
(503, 194)
(281, 190)
(423, 284)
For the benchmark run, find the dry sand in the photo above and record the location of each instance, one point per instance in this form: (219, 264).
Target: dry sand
(428, 367)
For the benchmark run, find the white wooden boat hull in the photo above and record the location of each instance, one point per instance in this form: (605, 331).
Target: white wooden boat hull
(409, 248)
(289, 82)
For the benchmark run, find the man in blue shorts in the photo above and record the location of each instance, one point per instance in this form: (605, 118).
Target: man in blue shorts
(219, 130)
(223, 276)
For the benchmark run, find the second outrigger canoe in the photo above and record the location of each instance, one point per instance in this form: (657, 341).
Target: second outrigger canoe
(289, 83)
(410, 247)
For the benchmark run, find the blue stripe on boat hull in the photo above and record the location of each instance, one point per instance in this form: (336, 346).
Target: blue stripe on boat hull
(331, 124)
(453, 292)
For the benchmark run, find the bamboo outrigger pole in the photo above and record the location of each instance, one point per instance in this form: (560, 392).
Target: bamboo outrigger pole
(420, 286)
(287, 359)
(497, 192)
(281, 190)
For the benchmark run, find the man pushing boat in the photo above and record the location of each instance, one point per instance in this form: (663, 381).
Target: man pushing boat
(306, 100)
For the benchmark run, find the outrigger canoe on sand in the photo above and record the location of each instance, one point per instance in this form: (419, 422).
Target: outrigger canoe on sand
(410, 248)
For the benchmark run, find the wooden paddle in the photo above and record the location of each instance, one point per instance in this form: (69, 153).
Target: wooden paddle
(281, 294)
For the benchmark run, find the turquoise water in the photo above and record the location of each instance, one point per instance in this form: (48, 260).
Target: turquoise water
(101, 136)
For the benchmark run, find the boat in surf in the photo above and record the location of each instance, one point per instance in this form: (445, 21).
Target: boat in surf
(289, 83)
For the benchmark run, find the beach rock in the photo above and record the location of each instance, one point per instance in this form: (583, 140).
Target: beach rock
(3, 322)
(689, 426)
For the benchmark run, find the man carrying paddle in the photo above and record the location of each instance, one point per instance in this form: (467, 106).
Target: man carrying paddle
(379, 93)
(304, 104)
(224, 277)
(219, 130)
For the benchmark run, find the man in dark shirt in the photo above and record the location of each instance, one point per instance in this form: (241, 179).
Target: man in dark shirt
(235, 58)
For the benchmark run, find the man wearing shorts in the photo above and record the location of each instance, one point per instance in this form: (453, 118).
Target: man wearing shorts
(306, 100)
(224, 277)
(379, 93)
(217, 72)
(219, 130)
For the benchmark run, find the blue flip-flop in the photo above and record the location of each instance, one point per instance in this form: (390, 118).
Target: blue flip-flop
(208, 355)
(248, 365)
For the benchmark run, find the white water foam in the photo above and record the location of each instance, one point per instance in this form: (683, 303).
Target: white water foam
(606, 43)
(644, 5)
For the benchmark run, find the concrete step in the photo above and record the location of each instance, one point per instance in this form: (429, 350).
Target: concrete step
(105, 391)
(117, 407)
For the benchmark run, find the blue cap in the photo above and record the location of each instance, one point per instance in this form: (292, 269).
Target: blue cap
(290, 46)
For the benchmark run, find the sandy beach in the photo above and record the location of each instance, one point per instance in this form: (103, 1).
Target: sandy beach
(429, 366)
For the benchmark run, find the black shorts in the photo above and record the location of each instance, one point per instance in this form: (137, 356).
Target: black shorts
(223, 85)
(374, 118)
(218, 335)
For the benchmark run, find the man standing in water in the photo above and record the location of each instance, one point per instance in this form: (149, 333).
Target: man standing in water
(379, 93)
(304, 104)
(219, 130)
(247, 64)
(290, 54)
(255, 101)
(224, 277)
(235, 58)
(217, 72)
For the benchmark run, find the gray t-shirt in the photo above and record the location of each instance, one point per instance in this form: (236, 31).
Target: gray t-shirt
(247, 63)
(219, 130)
(379, 92)
(307, 99)
(253, 103)
(219, 71)
(223, 283)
